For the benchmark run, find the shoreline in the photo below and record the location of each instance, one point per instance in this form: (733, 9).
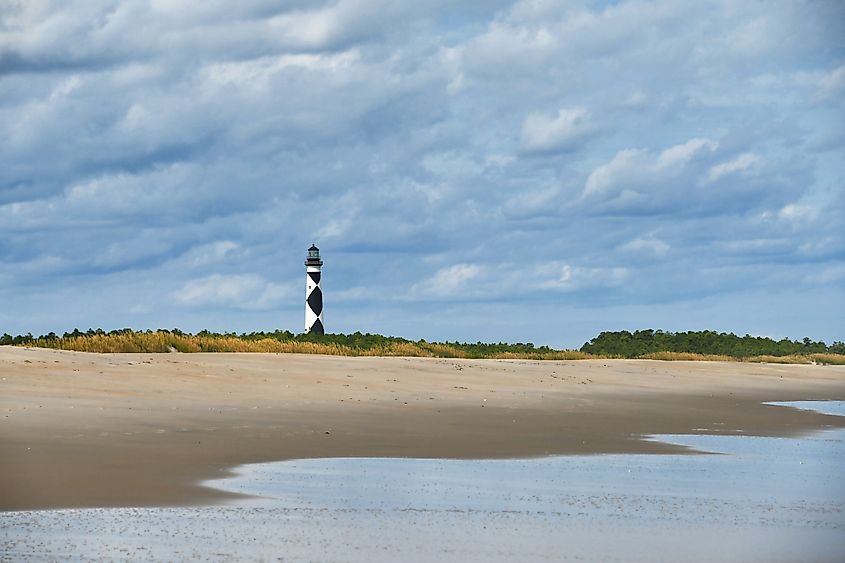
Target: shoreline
(96, 430)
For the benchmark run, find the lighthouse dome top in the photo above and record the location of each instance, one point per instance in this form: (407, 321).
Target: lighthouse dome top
(313, 256)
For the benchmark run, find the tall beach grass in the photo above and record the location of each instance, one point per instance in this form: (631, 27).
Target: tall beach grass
(818, 359)
(165, 341)
(162, 341)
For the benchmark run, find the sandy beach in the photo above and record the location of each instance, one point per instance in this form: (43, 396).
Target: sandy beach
(88, 430)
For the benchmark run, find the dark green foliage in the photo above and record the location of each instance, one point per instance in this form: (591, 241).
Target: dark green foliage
(621, 344)
(357, 341)
(367, 341)
(631, 345)
(19, 340)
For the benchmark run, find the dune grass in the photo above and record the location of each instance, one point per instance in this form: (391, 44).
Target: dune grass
(821, 359)
(687, 357)
(161, 341)
(553, 355)
(165, 341)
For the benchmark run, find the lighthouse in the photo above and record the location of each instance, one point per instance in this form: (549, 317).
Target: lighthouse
(313, 294)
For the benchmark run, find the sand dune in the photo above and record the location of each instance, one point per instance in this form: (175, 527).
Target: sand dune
(81, 429)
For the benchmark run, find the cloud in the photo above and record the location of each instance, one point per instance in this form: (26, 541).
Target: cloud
(678, 180)
(632, 170)
(743, 163)
(242, 291)
(543, 133)
(679, 155)
(43, 36)
(565, 277)
(211, 253)
(503, 156)
(799, 212)
(532, 204)
(603, 179)
(451, 281)
(646, 245)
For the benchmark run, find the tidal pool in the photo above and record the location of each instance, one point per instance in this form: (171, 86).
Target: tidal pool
(754, 499)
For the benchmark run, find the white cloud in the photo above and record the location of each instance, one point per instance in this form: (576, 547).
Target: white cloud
(634, 177)
(211, 253)
(258, 74)
(448, 282)
(533, 203)
(679, 155)
(333, 25)
(647, 245)
(799, 213)
(744, 163)
(130, 194)
(566, 277)
(542, 133)
(624, 164)
(240, 291)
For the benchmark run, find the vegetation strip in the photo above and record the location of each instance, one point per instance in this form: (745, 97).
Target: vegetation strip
(644, 344)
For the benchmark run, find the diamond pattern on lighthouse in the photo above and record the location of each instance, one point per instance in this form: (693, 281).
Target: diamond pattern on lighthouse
(317, 327)
(315, 301)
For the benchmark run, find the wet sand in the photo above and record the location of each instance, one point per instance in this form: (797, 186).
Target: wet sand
(96, 430)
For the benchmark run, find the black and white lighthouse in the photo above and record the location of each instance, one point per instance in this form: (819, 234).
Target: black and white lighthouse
(313, 294)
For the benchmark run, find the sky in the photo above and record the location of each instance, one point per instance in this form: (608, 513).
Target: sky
(491, 170)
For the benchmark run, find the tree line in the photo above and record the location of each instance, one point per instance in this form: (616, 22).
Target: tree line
(619, 344)
(626, 344)
(357, 343)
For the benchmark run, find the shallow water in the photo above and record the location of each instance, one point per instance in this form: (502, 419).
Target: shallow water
(769, 499)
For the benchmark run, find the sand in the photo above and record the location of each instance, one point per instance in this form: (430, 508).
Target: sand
(93, 430)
